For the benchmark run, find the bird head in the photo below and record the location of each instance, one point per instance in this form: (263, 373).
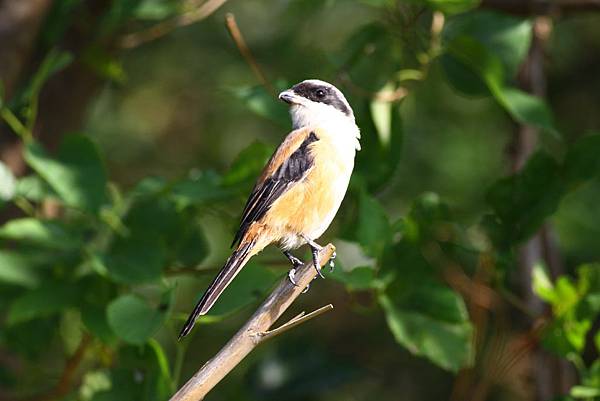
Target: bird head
(315, 102)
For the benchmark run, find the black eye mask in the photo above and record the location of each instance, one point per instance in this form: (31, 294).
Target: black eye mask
(321, 94)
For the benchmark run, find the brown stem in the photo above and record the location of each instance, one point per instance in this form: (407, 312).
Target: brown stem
(541, 7)
(65, 383)
(238, 39)
(551, 377)
(197, 13)
(255, 331)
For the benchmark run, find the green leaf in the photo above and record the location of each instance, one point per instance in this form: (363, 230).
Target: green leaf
(54, 62)
(46, 233)
(585, 392)
(141, 374)
(523, 201)
(249, 286)
(506, 37)
(50, 298)
(192, 247)
(58, 21)
(76, 174)
(248, 164)
(96, 321)
(370, 56)
(160, 217)
(453, 6)
(373, 231)
(17, 268)
(34, 188)
(133, 320)
(527, 109)
(542, 285)
(522, 107)
(263, 104)
(156, 10)
(8, 183)
(431, 322)
(359, 278)
(104, 64)
(575, 306)
(199, 188)
(582, 161)
(139, 258)
(119, 13)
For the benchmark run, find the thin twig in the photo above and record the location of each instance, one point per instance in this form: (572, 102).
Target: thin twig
(162, 28)
(248, 337)
(301, 318)
(238, 39)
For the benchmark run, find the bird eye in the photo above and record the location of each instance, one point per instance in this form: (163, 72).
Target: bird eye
(320, 93)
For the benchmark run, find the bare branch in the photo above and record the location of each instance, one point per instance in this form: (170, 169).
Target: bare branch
(162, 28)
(301, 318)
(541, 7)
(255, 331)
(238, 38)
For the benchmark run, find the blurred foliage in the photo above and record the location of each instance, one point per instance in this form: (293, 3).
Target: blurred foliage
(122, 225)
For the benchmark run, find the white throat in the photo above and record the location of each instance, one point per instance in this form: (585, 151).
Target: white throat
(326, 117)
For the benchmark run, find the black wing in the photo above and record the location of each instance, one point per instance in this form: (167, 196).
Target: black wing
(264, 194)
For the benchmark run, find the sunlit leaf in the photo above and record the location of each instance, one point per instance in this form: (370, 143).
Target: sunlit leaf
(585, 392)
(155, 10)
(542, 285)
(47, 233)
(505, 36)
(34, 188)
(17, 268)
(523, 107)
(8, 183)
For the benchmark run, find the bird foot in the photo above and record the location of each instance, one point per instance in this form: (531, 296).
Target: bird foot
(332, 262)
(292, 278)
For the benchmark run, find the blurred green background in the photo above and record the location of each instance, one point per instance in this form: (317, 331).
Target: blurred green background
(467, 244)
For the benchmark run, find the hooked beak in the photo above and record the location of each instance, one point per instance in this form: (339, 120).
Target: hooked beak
(289, 97)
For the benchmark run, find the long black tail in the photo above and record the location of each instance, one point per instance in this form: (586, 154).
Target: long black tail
(232, 267)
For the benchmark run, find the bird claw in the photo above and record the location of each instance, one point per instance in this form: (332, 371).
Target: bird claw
(318, 269)
(332, 262)
(292, 277)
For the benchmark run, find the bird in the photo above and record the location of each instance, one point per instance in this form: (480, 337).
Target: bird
(301, 188)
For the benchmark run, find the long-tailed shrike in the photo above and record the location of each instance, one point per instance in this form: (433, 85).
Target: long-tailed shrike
(301, 188)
